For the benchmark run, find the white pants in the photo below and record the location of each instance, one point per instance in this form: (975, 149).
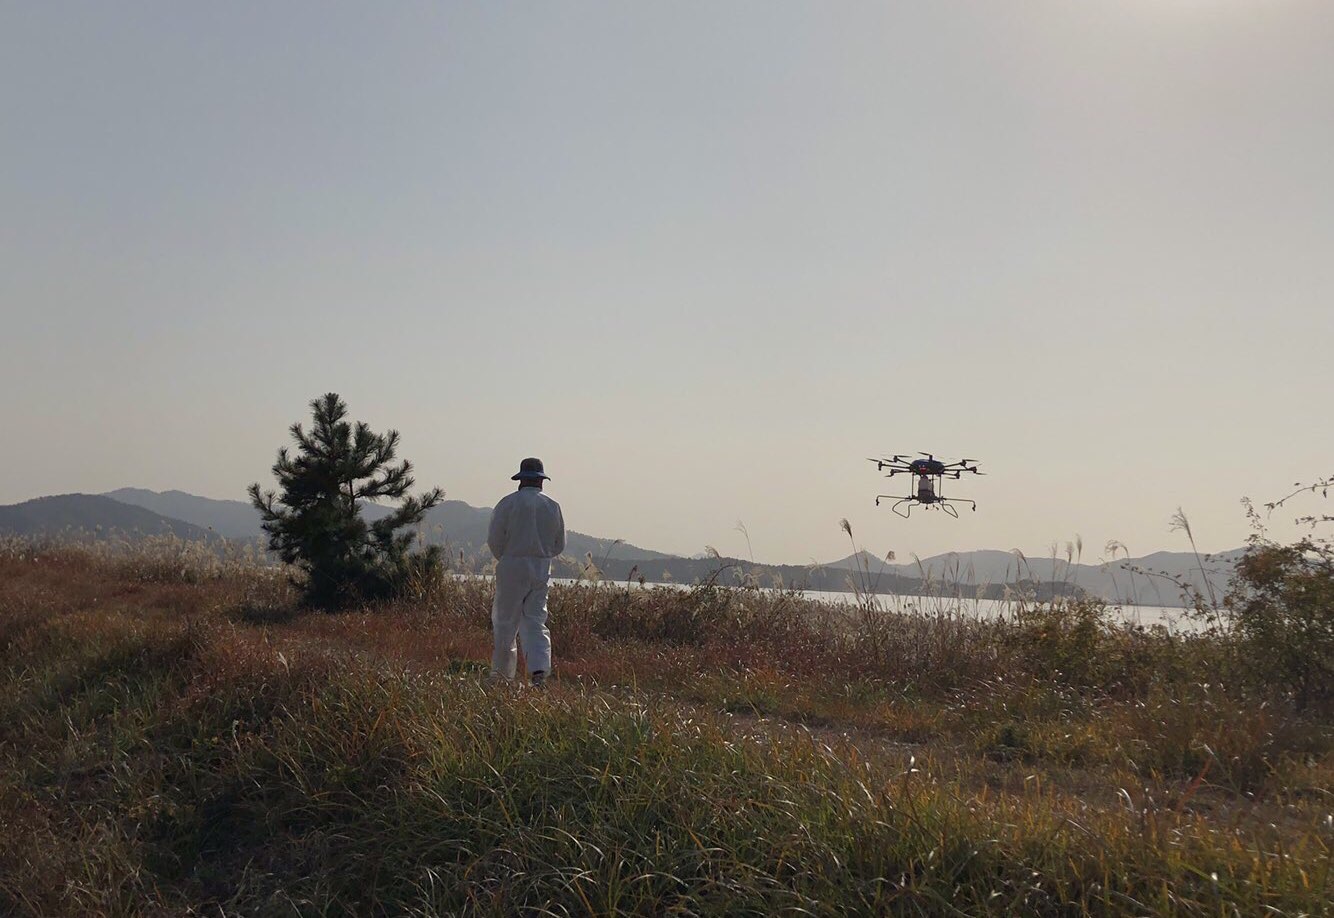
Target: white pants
(520, 611)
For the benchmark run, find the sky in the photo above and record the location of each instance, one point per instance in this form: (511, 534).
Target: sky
(702, 258)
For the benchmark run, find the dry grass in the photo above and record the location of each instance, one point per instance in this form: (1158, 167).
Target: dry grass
(180, 738)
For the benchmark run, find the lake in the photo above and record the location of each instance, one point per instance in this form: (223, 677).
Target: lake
(1170, 617)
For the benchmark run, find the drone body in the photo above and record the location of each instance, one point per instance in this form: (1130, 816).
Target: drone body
(929, 473)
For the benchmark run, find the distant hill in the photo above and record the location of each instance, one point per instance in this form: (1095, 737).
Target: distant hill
(461, 528)
(455, 524)
(862, 560)
(825, 577)
(231, 519)
(1150, 580)
(90, 515)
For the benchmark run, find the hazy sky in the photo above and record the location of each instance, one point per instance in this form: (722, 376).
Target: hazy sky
(702, 258)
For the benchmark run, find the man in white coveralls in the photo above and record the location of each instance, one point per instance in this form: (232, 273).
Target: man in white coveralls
(527, 531)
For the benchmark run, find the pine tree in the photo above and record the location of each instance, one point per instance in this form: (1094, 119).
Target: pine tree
(315, 521)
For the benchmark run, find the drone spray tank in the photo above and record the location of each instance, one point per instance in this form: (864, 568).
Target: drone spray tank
(926, 490)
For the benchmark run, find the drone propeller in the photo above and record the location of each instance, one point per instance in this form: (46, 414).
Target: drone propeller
(963, 465)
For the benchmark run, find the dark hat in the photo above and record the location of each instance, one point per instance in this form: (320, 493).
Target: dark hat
(530, 470)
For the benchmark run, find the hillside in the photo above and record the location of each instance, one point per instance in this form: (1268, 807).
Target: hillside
(188, 741)
(454, 524)
(91, 515)
(231, 519)
(461, 528)
(835, 578)
(1153, 580)
(1150, 580)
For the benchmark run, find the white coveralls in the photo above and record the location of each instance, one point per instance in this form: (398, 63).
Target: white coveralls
(527, 531)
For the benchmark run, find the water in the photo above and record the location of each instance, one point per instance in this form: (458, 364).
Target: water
(1170, 617)
(1167, 616)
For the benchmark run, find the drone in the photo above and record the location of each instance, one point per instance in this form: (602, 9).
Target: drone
(929, 473)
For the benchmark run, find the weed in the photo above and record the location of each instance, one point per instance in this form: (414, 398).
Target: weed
(200, 745)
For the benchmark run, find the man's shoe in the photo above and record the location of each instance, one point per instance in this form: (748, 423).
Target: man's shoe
(539, 678)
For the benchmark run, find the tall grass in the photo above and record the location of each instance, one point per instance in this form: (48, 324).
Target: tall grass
(193, 744)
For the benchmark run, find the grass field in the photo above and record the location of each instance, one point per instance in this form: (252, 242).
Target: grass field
(177, 737)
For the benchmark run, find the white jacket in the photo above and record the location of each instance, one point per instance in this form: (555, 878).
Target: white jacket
(526, 524)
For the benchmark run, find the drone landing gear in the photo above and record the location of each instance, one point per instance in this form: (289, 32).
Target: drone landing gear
(947, 504)
(903, 505)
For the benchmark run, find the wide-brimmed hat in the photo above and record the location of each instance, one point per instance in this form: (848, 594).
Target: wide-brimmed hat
(530, 470)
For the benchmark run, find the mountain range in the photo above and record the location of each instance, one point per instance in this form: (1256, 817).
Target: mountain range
(90, 516)
(461, 528)
(1155, 579)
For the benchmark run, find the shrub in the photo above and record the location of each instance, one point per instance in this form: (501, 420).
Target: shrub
(1281, 607)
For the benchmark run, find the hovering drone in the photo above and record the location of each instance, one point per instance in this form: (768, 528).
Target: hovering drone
(929, 473)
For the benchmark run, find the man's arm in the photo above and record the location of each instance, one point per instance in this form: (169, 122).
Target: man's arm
(498, 533)
(560, 532)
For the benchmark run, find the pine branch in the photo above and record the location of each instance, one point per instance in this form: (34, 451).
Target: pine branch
(392, 483)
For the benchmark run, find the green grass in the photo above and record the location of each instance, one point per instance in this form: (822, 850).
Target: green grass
(196, 745)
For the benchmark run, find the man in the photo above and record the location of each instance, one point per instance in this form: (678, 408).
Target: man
(527, 531)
